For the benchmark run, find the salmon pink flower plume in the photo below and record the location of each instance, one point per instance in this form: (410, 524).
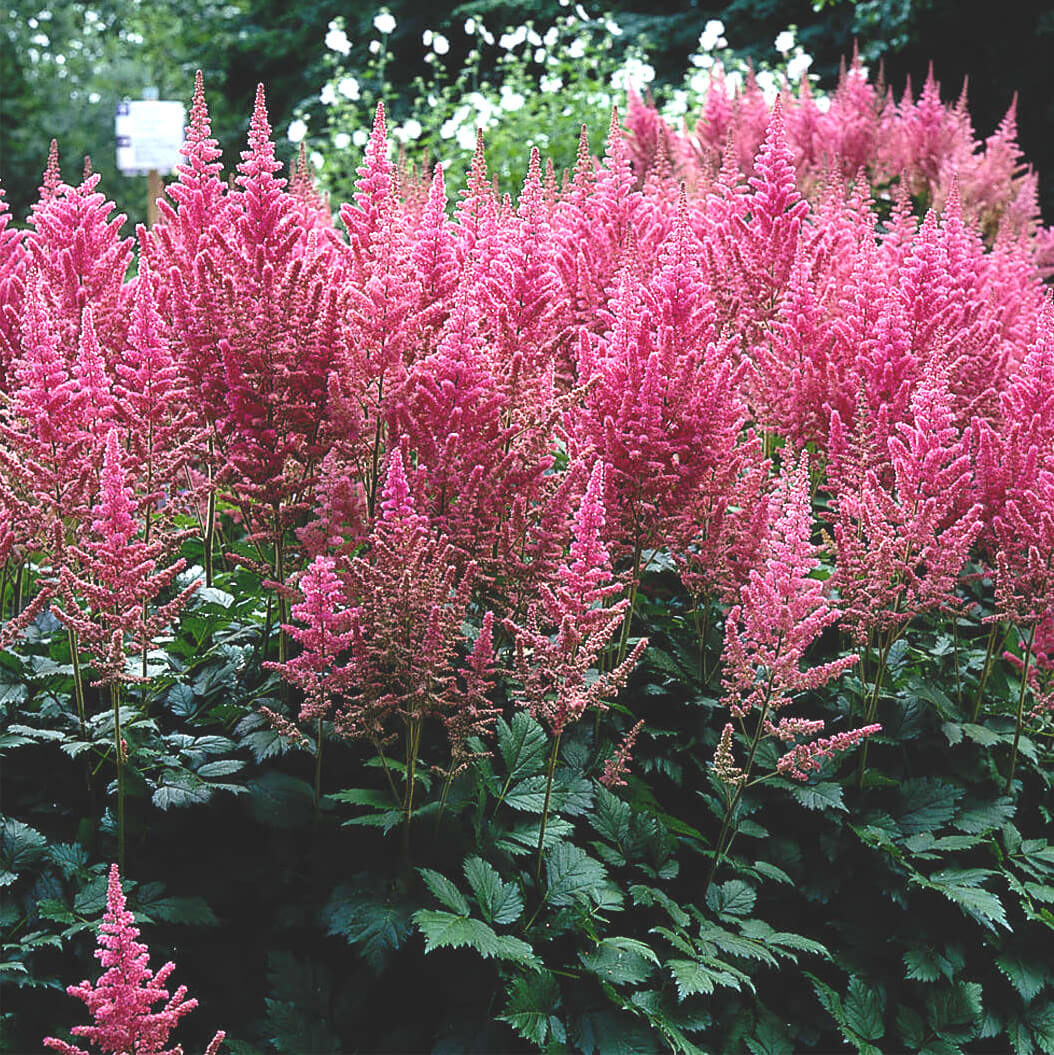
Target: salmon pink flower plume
(122, 999)
(782, 611)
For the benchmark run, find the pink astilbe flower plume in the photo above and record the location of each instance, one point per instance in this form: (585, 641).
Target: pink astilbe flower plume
(14, 262)
(383, 632)
(121, 1000)
(327, 630)
(198, 196)
(108, 581)
(49, 456)
(782, 611)
(902, 537)
(562, 639)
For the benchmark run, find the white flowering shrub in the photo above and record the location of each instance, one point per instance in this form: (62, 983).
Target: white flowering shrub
(524, 86)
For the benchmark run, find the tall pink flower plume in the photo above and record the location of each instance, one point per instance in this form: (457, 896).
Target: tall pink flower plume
(122, 999)
(782, 611)
(902, 537)
(328, 629)
(108, 579)
(562, 639)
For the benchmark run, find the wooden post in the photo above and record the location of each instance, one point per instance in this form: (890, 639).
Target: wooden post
(153, 192)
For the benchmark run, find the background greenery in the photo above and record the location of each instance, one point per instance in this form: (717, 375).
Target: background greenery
(63, 67)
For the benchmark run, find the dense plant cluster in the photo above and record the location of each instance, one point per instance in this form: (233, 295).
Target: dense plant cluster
(571, 607)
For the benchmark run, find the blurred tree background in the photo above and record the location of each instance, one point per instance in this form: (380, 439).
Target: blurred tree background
(64, 67)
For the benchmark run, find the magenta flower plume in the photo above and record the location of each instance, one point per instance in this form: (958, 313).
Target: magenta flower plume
(122, 999)
(903, 536)
(562, 639)
(199, 195)
(782, 611)
(802, 760)
(328, 629)
(110, 578)
(14, 262)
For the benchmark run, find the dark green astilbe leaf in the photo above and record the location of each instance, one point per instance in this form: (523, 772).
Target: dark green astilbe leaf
(523, 746)
(523, 838)
(977, 818)
(280, 800)
(620, 961)
(528, 796)
(713, 937)
(571, 875)
(152, 907)
(859, 1016)
(1029, 977)
(20, 847)
(693, 978)
(499, 902)
(533, 999)
(615, 1034)
(783, 942)
(864, 1004)
(180, 787)
(447, 930)
(611, 818)
(963, 886)
(926, 804)
(669, 1018)
(734, 898)
(1033, 1031)
(955, 1010)
(770, 1037)
(924, 964)
(446, 892)
(823, 796)
(377, 924)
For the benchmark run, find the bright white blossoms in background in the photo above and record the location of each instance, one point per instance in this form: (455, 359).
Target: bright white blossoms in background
(297, 131)
(634, 73)
(766, 81)
(510, 99)
(798, 66)
(342, 141)
(337, 39)
(384, 22)
(508, 41)
(375, 47)
(713, 35)
(784, 42)
(440, 44)
(328, 95)
(360, 137)
(349, 88)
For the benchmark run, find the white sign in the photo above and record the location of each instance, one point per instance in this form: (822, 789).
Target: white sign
(149, 135)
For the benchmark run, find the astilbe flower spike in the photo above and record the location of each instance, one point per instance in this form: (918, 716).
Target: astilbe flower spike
(902, 536)
(121, 1000)
(782, 610)
(328, 630)
(107, 581)
(564, 637)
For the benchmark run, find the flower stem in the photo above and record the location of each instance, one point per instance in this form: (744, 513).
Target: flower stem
(1020, 708)
(318, 764)
(115, 698)
(985, 671)
(545, 806)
